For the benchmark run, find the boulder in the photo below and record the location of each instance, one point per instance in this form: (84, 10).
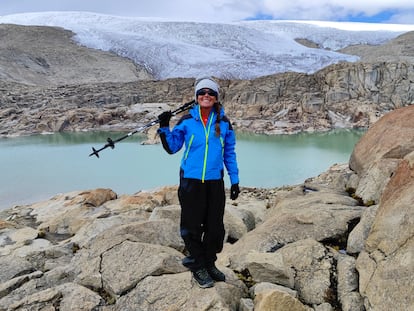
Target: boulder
(358, 235)
(386, 265)
(348, 295)
(123, 266)
(19, 267)
(313, 265)
(269, 267)
(274, 300)
(69, 296)
(376, 155)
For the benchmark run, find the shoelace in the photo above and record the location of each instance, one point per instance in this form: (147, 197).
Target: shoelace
(215, 271)
(202, 274)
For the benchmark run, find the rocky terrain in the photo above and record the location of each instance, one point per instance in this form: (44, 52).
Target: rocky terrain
(57, 85)
(339, 241)
(343, 240)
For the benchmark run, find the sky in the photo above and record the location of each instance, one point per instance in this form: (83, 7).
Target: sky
(371, 11)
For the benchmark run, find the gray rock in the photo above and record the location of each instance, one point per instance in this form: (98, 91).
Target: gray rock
(323, 307)
(275, 300)
(348, 294)
(40, 300)
(257, 288)
(269, 267)
(246, 304)
(313, 265)
(179, 292)
(13, 266)
(358, 236)
(385, 266)
(123, 266)
(8, 286)
(295, 218)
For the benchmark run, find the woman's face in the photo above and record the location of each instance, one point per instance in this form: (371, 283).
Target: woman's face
(206, 98)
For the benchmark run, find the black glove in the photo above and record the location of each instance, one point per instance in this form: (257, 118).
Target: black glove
(164, 118)
(234, 191)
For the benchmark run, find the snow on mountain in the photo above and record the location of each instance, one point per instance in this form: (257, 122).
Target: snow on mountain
(238, 50)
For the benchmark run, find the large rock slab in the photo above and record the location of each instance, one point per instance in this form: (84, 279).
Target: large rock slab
(386, 265)
(377, 154)
(125, 265)
(179, 292)
(358, 236)
(275, 300)
(313, 265)
(68, 297)
(318, 215)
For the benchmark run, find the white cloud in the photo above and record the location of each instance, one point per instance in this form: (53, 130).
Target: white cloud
(333, 9)
(403, 17)
(221, 10)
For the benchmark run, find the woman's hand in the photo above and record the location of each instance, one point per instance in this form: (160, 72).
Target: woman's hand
(234, 191)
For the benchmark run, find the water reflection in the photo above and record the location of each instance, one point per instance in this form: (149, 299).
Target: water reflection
(340, 140)
(66, 138)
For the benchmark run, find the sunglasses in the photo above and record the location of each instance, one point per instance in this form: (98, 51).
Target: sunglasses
(204, 92)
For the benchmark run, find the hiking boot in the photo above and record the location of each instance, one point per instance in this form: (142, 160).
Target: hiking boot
(216, 274)
(203, 278)
(188, 262)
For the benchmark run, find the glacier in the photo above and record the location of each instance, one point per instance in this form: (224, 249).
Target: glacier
(232, 50)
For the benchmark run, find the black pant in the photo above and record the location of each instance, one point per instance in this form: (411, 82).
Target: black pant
(202, 227)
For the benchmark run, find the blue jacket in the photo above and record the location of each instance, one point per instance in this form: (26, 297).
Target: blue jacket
(204, 153)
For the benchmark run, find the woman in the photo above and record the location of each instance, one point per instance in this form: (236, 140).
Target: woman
(209, 143)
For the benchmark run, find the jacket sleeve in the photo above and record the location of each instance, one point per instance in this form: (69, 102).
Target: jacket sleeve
(172, 141)
(229, 156)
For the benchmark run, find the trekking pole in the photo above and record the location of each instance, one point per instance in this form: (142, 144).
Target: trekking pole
(111, 143)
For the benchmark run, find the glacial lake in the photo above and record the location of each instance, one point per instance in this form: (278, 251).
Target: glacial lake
(35, 168)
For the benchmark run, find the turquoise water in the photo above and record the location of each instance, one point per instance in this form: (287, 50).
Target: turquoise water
(37, 167)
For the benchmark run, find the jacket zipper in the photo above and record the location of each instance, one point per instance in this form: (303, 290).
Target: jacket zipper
(207, 134)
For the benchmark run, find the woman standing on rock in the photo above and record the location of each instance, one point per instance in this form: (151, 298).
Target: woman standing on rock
(209, 142)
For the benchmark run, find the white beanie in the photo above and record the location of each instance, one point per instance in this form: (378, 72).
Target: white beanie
(206, 83)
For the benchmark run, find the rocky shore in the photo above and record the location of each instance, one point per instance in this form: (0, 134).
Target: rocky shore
(339, 241)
